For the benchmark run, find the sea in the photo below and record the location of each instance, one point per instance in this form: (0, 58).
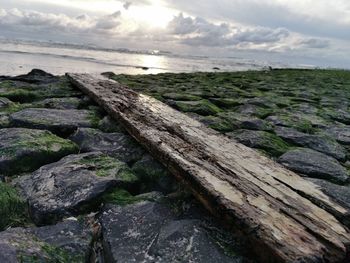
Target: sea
(20, 56)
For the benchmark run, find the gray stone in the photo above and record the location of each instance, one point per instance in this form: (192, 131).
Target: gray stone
(314, 164)
(62, 122)
(341, 194)
(154, 176)
(266, 141)
(255, 124)
(69, 240)
(318, 143)
(25, 150)
(148, 232)
(341, 134)
(67, 187)
(118, 145)
(37, 76)
(68, 103)
(107, 124)
(4, 102)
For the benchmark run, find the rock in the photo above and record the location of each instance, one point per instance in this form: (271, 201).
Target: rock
(62, 122)
(68, 241)
(118, 145)
(25, 150)
(4, 120)
(266, 141)
(255, 124)
(314, 164)
(253, 110)
(180, 96)
(60, 103)
(5, 102)
(341, 134)
(148, 232)
(154, 176)
(201, 107)
(107, 124)
(341, 194)
(340, 115)
(318, 143)
(72, 184)
(37, 76)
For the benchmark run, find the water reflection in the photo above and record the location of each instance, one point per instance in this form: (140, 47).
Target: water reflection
(153, 62)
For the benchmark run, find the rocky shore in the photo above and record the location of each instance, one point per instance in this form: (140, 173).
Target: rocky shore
(75, 187)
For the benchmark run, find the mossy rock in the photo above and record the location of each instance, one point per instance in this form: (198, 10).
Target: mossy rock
(201, 107)
(266, 141)
(122, 197)
(226, 102)
(181, 96)
(25, 150)
(13, 209)
(216, 123)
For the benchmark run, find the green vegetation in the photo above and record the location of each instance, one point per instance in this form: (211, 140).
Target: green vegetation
(108, 166)
(13, 209)
(122, 197)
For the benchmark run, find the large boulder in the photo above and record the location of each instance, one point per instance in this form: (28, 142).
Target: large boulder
(318, 143)
(25, 150)
(149, 232)
(68, 103)
(68, 241)
(71, 185)
(340, 133)
(314, 164)
(118, 145)
(62, 122)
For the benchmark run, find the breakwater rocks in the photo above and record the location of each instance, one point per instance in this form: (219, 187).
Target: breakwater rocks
(75, 187)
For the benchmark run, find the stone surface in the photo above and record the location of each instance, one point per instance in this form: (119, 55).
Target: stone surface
(318, 143)
(153, 175)
(68, 103)
(36, 76)
(339, 193)
(65, 242)
(107, 124)
(201, 107)
(118, 145)
(148, 232)
(341, 134)
(314, 164)
(261, 140)
(69, 186)
(24, 150)
(61, 122)
(4, 102)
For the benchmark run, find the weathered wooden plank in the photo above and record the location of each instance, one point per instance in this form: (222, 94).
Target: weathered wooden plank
(284, 217)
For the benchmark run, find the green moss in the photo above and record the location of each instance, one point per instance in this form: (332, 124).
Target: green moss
(226, 102)
(94, 118)
(122, 197)
(108, 166)
(181, 96)
(202, 107)
(274, 145)
(217, 123)
(28, 153)
(13, 209)
(52, 254)
(19, 95)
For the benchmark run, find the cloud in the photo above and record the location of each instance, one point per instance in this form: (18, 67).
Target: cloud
(109, 22)
(314, 43)
(126, 5)
(200, 32)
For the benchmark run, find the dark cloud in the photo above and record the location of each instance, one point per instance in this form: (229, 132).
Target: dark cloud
(314, 43)
(126, 5)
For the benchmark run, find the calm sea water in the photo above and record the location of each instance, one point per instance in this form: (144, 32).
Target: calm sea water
(18, 57)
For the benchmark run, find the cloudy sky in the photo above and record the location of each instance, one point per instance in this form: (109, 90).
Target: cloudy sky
(306, 31)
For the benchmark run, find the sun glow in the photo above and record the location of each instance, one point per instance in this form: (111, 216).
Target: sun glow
(153, 15)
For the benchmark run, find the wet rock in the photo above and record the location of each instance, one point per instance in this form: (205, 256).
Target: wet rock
(4, 120)
(107, 124)
(154, 176)
(314, 164)
(68, 241)
(341, 194)
(60, 103)
(341, 134)
(318, 143)
(201, 107)
(36, 76)
(253, 110)
(340, 115)
(62, 122)
(24, 150)
(72, 184)
(118, 145)
(255, 124)
(4, 102)
(266, 141)
(148, 232)
(181, 96)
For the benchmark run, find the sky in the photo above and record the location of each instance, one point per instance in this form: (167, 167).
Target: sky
(313, 32)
